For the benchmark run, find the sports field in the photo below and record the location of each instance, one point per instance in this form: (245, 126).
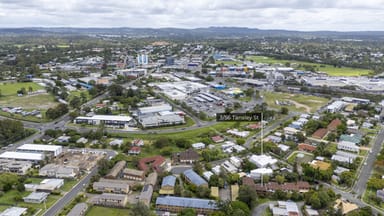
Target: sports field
(329, 69)
(10, 89)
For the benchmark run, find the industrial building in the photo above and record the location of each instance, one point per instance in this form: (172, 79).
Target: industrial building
(23, 156)
(161, 119)
(17, 167)
(107, 120)
(154, 109)
(59, 171)
(55, 150)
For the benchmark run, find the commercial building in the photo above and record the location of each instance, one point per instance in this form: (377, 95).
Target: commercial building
(177, 204)
(154, 109)
(111, 186)
(14, 211)
(23, 156)
(55, 150)
(17, 167)
(59, 171)
(107, 120)
(47, 185)
(159, 120)
(36, 197)
(110, 200)
(335, 106)
(133, 72)
(193, 178)
(133, 174)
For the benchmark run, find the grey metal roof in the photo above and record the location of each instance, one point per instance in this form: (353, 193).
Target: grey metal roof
(186, 202)
(78, 209)
(193, 177)
(168, 181)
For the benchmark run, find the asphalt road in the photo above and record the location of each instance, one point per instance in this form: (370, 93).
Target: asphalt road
(366, 169)
(260, 209)
(61, 203)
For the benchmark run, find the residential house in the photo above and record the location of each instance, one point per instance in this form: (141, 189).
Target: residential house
(334, 124)
(189, 156)
(36, 197)
(217, 139)
(157, 163)
(285, 209)
(133, 174)
(348, 146)
(320, 133)
(306, 147)
(198, 146)
(110, 200)
(116, 142)
(14, 211)
(345, 206)
(137, 142)
(380, 194)
(17, 167)
(134, 150)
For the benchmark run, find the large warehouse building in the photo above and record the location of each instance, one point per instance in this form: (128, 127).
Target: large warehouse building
(55, 150)
(107, 120)
(23, 156)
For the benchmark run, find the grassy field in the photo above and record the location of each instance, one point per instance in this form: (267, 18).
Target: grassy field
(10, 89)
(299, 102)
(292, 158)
(329, 69)
(78, 93)
(238, 63)
(103, 211)
(192, 135)
(62, 46)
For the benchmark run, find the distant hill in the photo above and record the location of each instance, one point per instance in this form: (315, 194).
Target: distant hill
(211, 32)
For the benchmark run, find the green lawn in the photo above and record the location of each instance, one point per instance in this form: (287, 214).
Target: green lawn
(78, 93)
(10, 89)
(305, 103)
(62, 46)
(68, 184)
(329, 69)
(292, 158)
(103, 211)
(238, 63)
(192, 135)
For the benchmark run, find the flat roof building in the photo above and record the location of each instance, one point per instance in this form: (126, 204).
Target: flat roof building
(14, 211)
(107, 120)
(177, 204)
(36, 197)
(78, 210)
(23, 156)
(55, 150)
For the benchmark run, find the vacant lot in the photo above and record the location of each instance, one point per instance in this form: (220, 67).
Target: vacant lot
(30, 102)
(297, 102)
(10, 89)
(329, 69)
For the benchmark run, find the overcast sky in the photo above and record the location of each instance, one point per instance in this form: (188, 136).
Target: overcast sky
(340, 15)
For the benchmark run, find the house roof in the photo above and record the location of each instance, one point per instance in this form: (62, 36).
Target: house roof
(133, 172)
(193, 177)
(334, 123)
(119, 166)
(168, 181)
(189, 154)
(306, 147)
(217, 139)
(320, 133)
(155, 162)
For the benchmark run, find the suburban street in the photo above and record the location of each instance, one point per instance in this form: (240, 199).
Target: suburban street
(366, 170)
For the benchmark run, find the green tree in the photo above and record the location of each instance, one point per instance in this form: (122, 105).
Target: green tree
(280, 179)
(75, 102)
(140, 209)
(315, 201)
(247, 195)
(284, 110)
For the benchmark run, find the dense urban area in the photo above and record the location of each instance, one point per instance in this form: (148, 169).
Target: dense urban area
(158, 122)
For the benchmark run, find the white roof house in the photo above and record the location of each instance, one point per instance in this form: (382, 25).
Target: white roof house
(228, 166)
(262, 160)
(257, 173)
(55, 149)
(25, 156)
(14, 211)
(207, 175)
(199, 145)
(348, 146)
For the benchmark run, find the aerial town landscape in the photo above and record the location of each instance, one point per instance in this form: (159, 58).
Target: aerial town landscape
(215, 121)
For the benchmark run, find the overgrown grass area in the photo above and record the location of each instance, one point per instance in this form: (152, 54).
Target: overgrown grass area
(104, 211)
(192, 135)
(329, 69)
(298, 102)
(78, 93)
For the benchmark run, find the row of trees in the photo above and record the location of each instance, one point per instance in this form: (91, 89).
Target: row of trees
(11, 131)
